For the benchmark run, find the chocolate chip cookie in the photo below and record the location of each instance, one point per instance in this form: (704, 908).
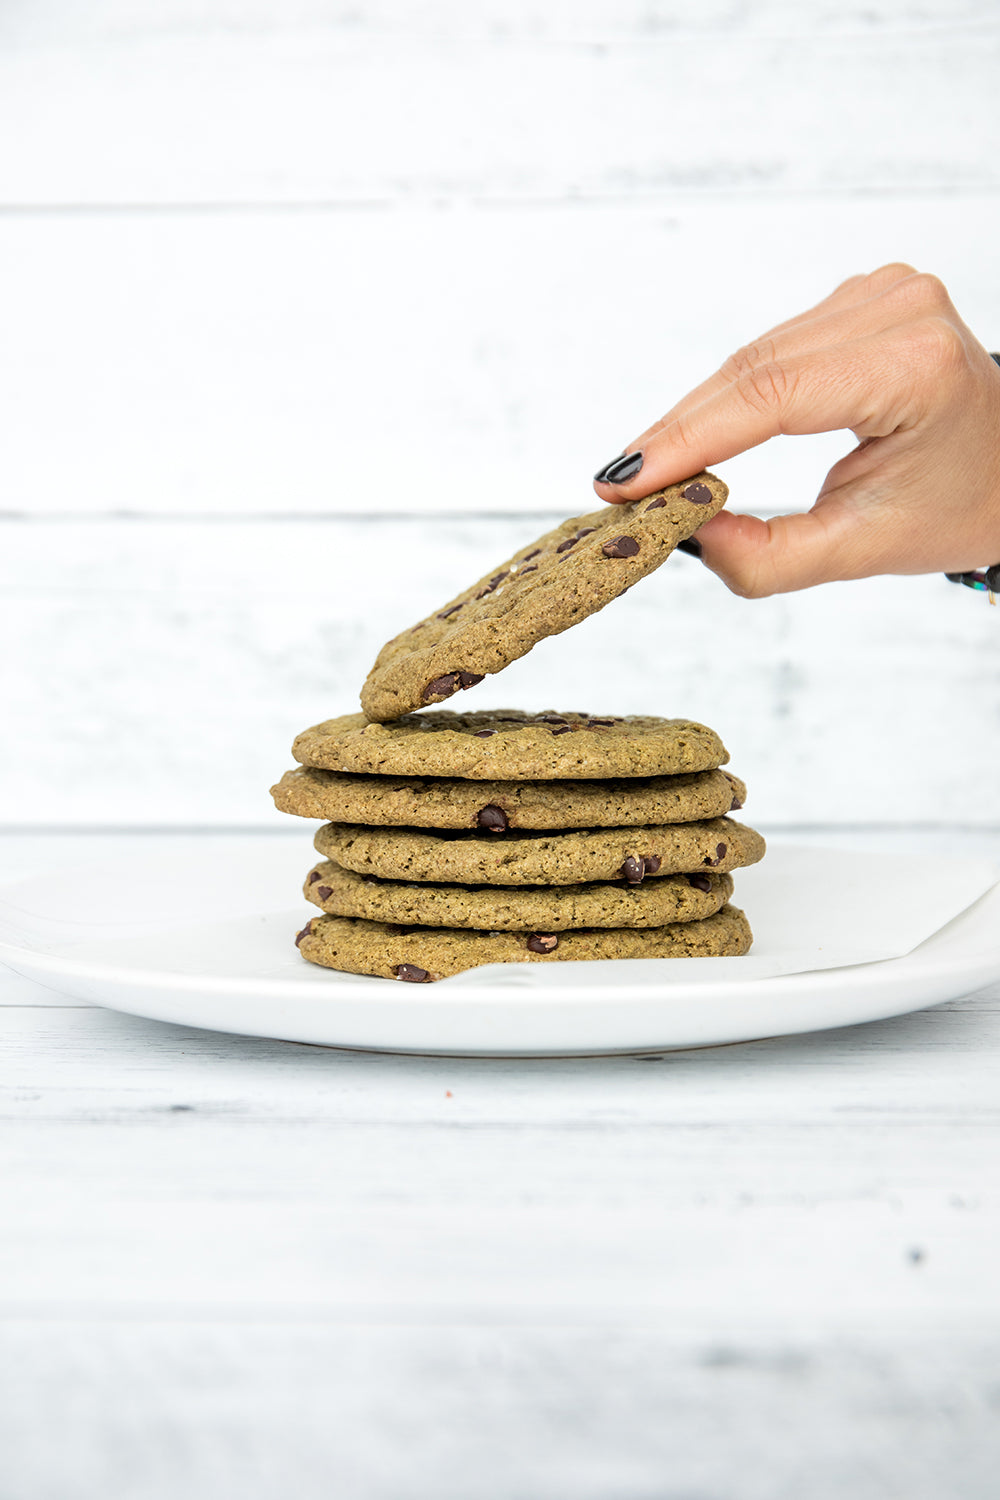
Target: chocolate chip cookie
(533, 857)
(547, 586)
(509, 745)
(419, 955)
(674, 898)
(445, 802)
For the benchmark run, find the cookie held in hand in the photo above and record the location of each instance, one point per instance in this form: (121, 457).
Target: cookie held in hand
(547, 586)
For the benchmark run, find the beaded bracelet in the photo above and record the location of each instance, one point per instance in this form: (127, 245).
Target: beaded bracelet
(986, 580)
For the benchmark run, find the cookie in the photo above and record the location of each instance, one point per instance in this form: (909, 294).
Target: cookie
(547, 586)
(541, 858)
(446, 802)
(422, 954)
(509, 745)
(674, 898)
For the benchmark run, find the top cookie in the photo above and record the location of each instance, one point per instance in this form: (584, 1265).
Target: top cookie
(547, 586)
(508, 745)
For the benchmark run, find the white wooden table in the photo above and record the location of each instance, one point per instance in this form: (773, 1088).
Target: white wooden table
(240, 1268)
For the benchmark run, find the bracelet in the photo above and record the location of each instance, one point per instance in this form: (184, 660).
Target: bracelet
(985, 580)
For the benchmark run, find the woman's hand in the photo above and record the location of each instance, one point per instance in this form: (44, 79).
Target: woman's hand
(888, 357)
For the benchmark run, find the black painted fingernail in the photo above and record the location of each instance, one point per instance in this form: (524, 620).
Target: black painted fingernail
(690, 546)
(601, 476)
(623, 468)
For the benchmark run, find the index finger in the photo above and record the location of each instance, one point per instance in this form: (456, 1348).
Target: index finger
(858, 385)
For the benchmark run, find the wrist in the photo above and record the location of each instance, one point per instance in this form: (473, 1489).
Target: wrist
(984, 580)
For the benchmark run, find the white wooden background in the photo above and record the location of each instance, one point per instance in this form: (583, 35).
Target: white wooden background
(311, 311)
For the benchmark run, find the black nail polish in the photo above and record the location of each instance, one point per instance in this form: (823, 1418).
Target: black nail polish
(623, 468)
(602, 474)
(690, 546)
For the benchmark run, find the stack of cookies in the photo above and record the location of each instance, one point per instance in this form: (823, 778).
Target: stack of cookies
(557, 836)
(500, 836)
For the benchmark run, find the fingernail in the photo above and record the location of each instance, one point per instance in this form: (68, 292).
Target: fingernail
(623, 468)
(690, 546)
(601, 476)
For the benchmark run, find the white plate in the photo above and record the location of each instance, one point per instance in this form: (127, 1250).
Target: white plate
(204, 938)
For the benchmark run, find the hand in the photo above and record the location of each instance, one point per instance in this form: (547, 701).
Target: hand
(888, 357)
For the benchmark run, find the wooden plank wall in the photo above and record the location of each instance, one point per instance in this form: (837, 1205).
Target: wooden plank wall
(313, 311)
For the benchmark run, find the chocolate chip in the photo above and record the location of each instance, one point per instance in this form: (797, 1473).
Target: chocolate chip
(720, 854)
(418, 626)
(313, 876)
(735, 806)
(565, 729)
(622, 546)
(543, 942)
(599, 723)
(552, 719)
(441, 687)
(633, 870)
(446, 612)
(412, 974)
(529, 555)
(324, 892)
(577, 536)
(532, 569)
(469, 679)
(307, 929)
(656, 504)
(698, 494)
(651, 863)
(700, 882)
(492, 818)
(484, 734)
(493, 583)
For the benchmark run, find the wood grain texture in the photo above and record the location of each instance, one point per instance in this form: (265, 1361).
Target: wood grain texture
(228, 1259)
(337, 111)
(423, 1412)
(417, 359)
(179, 660)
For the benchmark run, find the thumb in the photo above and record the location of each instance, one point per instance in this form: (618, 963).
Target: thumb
(757, 558)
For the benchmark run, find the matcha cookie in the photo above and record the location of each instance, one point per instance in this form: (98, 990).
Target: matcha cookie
(446, 802)
(541, 858)
(422, 954)
(547, 586)
(674, 898)
(508, 745)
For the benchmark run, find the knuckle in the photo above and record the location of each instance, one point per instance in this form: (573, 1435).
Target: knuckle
(921, 293)
(766, 388)
(889, 275)
(682, 432)
(931, 292)
(748, 358)
(934, 347)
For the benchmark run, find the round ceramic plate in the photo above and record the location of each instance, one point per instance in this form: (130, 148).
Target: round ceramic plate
(204, 937)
